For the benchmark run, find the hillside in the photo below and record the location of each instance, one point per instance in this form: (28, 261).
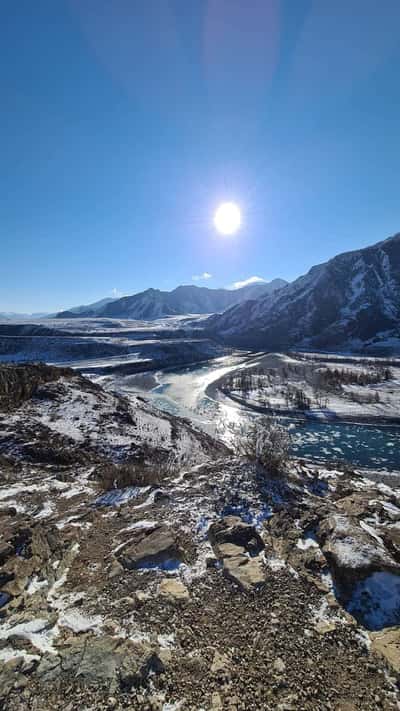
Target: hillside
(350, 300)
(209, 583)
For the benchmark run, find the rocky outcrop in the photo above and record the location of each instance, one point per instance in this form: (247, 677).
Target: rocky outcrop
(151, 547)
(232, 530)
(247, 573)
(238, 545)
(20, 382)
(386, 644)
(117, 662)
(352, 552)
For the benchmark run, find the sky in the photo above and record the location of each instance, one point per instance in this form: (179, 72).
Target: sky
(124, 124)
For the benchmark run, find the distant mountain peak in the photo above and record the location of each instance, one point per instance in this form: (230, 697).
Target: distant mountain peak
(184, 299)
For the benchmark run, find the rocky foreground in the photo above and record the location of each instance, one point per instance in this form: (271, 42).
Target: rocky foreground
(212, 586)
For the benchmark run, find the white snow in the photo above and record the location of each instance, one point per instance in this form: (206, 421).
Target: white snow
(376, 600)
(79, 622)
(38, 631)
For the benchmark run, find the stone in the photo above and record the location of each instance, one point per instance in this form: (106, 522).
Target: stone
(6, 551)
(352, 553)
(386, 643)
(115, 570)
(151, 547)
(324, 627)
(173, 590)
(141, 597)
(248, 573)
(8, 511)
(231, 529)
(220, 665)
(105, 658)
(228, 550)
(216, 701)
(279, 665)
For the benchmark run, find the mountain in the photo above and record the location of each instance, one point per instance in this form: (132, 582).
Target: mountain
(153, 303)
(84, 310)
(14, 316)
(352, 298)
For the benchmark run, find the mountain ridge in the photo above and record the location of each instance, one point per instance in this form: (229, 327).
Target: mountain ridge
(155, 303)
(351, 298)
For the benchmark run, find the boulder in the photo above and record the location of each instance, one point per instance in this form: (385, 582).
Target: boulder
(231, 529)
(102, 659)
(355, 504)
(228, 550)
(391, 538)
(386, 644)
(173, 590)
(150, 548)
(351, 552)
(248, 573)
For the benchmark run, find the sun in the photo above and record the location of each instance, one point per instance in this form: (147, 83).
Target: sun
(227, 218)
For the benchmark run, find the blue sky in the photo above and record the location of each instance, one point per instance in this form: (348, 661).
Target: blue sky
(125, 123)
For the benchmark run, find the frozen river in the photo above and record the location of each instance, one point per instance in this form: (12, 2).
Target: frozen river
(183, 392)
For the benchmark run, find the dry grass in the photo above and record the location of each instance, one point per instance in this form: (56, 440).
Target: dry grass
(154, 473)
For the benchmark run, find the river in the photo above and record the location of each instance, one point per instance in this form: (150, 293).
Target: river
(182, 391)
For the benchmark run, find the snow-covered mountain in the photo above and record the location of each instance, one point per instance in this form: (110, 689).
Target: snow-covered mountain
(15, 316)
(84, 309)
(351, 299)
(153, 303)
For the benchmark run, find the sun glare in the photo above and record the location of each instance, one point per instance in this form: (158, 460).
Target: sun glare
(227, 218)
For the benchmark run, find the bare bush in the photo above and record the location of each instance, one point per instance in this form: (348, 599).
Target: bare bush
(267, 442)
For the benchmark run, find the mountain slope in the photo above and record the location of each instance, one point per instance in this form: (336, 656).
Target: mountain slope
(153, 303)
(84, 310)
(349, 299)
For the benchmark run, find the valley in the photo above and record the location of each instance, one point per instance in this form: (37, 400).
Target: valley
(164, 546)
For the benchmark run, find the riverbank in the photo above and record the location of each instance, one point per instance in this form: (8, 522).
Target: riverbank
(308, 416)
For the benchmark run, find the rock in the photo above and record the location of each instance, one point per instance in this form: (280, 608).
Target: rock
(105, 658)
(228, 550)
(161, 497)
(352, 553)
(386, 644)
(231, 529)
(216, 701)
(6, 551)
(173, 590)
(150, 547)
(220, 666)
(248, 573)
(391, 538)
(279, 665)
(356, 504)
(141, 597)
(116, 569)
(324, 626)
(8, 511)
(126, 602)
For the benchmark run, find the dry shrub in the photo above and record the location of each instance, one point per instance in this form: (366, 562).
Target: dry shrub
(266, 442)
(154, 473)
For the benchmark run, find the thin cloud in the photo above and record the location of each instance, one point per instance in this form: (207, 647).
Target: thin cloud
(246, 282)
(115, 293)
(201, 277)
